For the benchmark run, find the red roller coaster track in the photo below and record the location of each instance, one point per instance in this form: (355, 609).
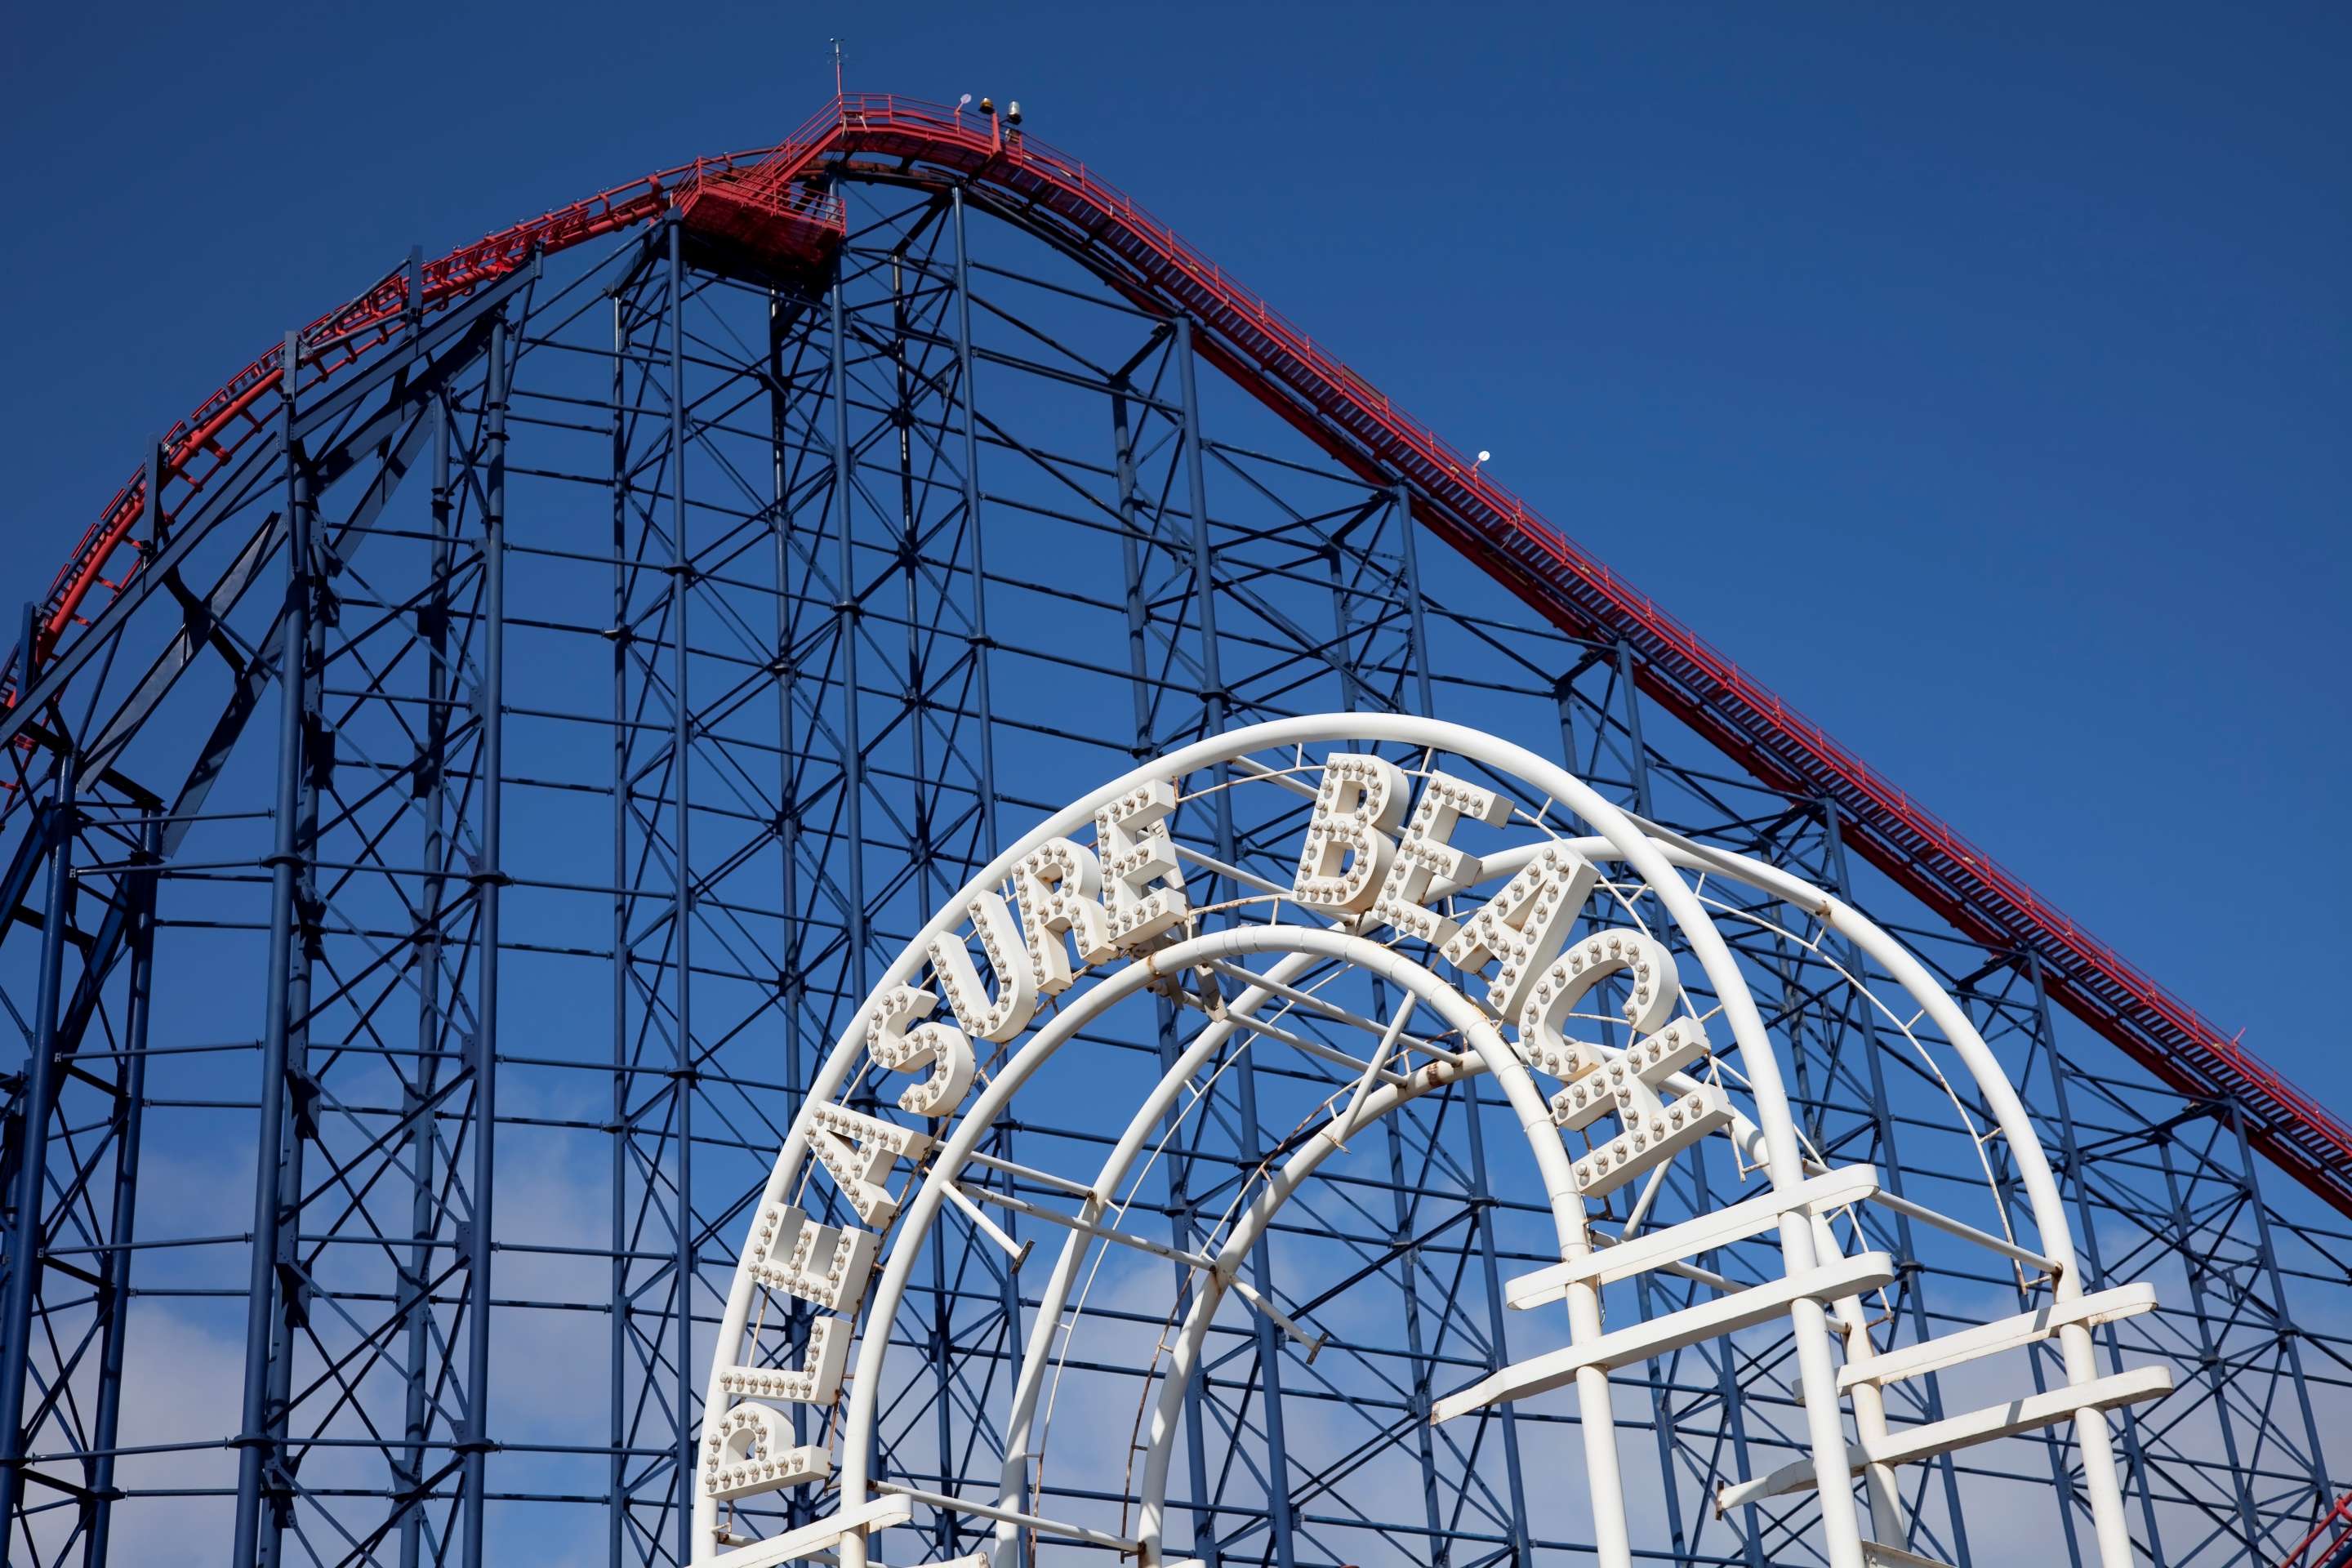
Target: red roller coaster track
(1361, 428)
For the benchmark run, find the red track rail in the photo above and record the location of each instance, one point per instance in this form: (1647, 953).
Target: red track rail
(1358, 426)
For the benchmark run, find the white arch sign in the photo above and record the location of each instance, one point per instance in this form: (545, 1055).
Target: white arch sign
(1501, 959)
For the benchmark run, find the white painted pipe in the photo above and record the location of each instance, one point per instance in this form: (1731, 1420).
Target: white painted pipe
(1772, 1136)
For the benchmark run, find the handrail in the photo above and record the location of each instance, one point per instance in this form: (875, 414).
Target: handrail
(1458, 499)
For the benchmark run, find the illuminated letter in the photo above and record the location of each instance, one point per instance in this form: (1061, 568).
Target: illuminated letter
(1132, 838)
(1626, 1086)
(782, 1255)
(1008, 960)
(1654, 988)
(1348, 839)
(1060, 884)
(748, 1451)
(938, 1046)
(814, 1382)
(1424, 857)
(1522, 925)
(858, 1150)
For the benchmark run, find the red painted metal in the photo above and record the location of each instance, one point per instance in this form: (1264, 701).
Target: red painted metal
(2311, 1552)
(1359, 427)
(794, 226)
(196, 447)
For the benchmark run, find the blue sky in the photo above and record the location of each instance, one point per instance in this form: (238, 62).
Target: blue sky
(1977, 376)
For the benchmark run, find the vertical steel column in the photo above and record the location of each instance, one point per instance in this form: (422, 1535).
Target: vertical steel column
(923, 798)
(1180, 1166)
(1423, 1392)
(1646, 1287)
(850, 848)
(1343, 617)
(791, 985)
(1891, 1163)
(852, 760)
(2198, 1267)
(618, 1337)
(1132, 559)
(2001, 1170)
(488, 879)
(1206, 1546)
(923, 794)
(1419, 1395)
(1637, 749)
(293, 1274)
(1213, 722)
(416, 1102)
(139, 1008)
(277, 1152)
(1204, 585)
(2046, 1042)
(2323, 1493)
(41, 1072)
(932, 881)
(682, 897)
(852, 755)
(982, 655)
(1491, 1271)
(1416, 617)
(982, 645)
(1735, 1406)
(1563, 702)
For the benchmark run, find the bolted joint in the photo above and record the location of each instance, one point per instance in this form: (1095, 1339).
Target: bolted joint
(294, 1293)
(319, 750)
(310, 913)
(303, 1093)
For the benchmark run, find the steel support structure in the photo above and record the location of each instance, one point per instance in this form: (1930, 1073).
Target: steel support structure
(510, 766)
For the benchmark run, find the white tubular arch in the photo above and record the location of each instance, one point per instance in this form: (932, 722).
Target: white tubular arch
(2054, 1236)
(2054, 1232)
(1771, 1138)
(1527, 1104)
(1037, 1360)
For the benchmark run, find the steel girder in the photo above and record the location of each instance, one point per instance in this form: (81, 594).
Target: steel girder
(794, 591)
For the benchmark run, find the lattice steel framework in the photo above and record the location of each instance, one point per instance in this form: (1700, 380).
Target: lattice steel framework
(557, 684)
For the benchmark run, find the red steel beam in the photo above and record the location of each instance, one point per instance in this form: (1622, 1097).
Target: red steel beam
(1358, 426)
(2338, 1525)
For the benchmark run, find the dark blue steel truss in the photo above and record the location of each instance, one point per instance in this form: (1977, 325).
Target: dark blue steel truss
(508, 774)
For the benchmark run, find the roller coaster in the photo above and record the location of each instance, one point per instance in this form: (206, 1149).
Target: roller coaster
(496, 744)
